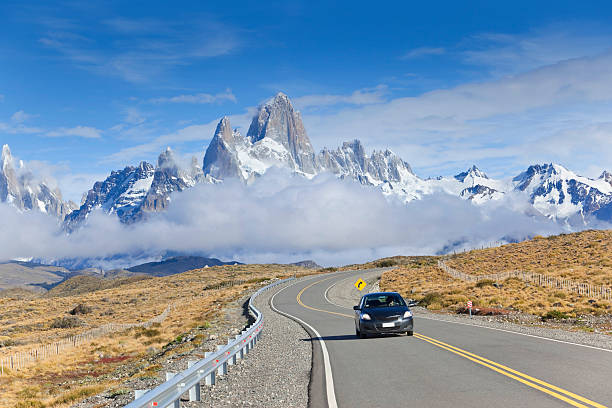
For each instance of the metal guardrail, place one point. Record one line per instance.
(170, 392)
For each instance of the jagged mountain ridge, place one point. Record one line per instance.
(277, 138)
(20, 188)
(135, 191)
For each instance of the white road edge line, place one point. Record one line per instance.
(329, 379)
(482, 327)
(327, 290)
(519, 333)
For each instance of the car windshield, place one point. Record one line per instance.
(383, 301)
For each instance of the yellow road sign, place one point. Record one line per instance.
(360, 284)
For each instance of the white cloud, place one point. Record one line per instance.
(512, 53)
(86, 132)
(277, 219)
(20, 116)
(148, 48)
(423, 51)
(200, 98)
(365, 96)
(193, 133)
(475, 122)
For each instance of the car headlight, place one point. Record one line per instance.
(365, 316)
(407, 314)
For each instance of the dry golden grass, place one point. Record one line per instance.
(424, 281)
(79, 372)
(584, 256)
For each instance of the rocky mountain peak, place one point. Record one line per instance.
(224, 130)
(6, 159)
(220, 160)
(606, 176)
(25, 191)
(472, 172)
(278, 121)
(166, 159)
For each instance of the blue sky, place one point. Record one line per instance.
(88, 88)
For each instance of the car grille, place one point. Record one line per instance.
(388, 318)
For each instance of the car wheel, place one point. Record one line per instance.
(409, 333)
(362, 335)
(357, 332)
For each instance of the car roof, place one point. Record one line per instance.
(381, 293)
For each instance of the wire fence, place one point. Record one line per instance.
(548, 281)
(22, 359)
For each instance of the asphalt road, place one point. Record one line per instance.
(442, 365)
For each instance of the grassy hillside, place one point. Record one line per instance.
(585, 256)
(199, 305)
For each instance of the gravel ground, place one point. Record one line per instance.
(280, 357)
(275, 374)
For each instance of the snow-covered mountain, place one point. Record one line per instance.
(20, 188)
(277, 138)
(559, 193)
(134, 191)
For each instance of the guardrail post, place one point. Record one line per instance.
(240, 353)
(194, 392)
(139, 393)
(222, 370)
(232, 360)
(210, 378)
(177, 403)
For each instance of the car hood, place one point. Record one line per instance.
(383, 312)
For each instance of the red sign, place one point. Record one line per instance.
(469, 304)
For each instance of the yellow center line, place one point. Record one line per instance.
(535, 380)
(499, 368)
(299, 300)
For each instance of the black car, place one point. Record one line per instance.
(381, 313)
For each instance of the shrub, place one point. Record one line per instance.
(554, 314)
(485, 282)
(6, 341)
(330, 269)
(80, 309)
(430, 298)
(385, 263)
(67, 322)
(146, 333)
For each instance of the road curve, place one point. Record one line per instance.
(443, 365)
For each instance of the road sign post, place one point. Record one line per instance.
(469, 305)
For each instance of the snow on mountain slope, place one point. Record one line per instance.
(276, 138)
(20, 188)
(559, 193)
(134, 191)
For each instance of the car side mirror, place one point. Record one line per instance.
(356, 307)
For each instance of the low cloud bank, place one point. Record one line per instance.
(279, 218)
